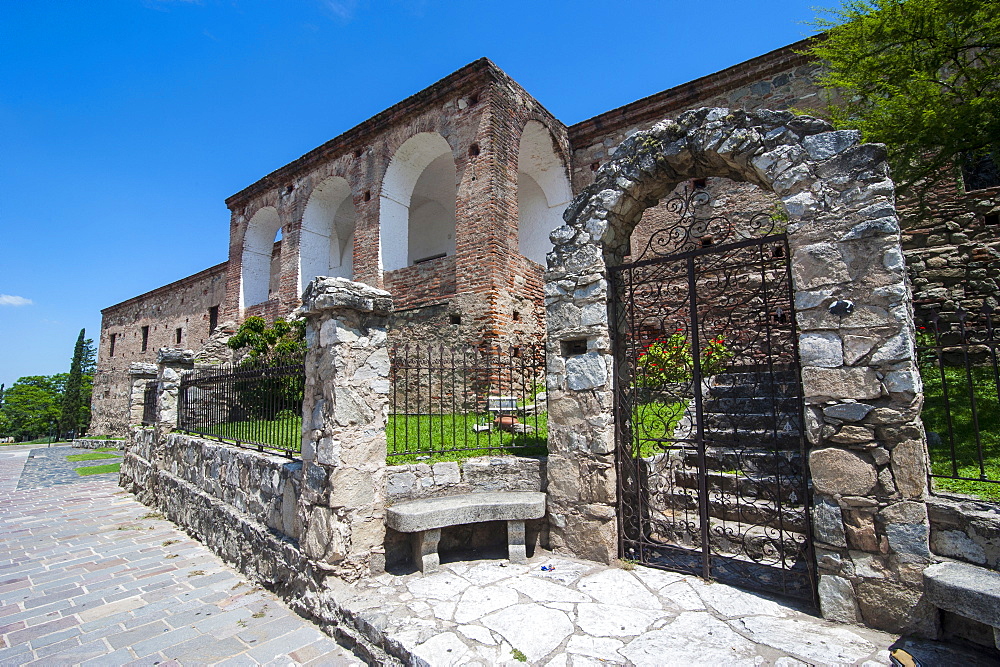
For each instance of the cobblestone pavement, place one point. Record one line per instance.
(88, 575)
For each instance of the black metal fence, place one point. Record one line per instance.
(149, 403)
(957, 356)
(256, 405)
(487, 400)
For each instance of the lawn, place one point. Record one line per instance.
(285, 433)
(103, 453)
(966, 452)
(654, 422)
(424, 438)
(98, 470)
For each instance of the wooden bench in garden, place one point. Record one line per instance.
(426, 517)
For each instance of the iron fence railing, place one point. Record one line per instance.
(957, 356)
(149, 396)
(256, 404)
(451, 399)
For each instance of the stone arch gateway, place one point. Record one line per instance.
(853, 331)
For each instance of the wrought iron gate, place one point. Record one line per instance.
(712, 467)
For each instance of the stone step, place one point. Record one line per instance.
(732, 510)
(788, 489)
(784, 423)
(751, 543)
(748, 460)
(757, 405)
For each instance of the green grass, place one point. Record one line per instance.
(283, 433)
(91, 456)
(433, 433)
(37, 441)
(654, 421)
(98, 470)
(935, 417)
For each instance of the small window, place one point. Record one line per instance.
(979, 171)
(455, 319)
(145, 338)
(572, 348)
(991, 219)
(111, 349)
(213, 319)
(177, 335)
(699, 183)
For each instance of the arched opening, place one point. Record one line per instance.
(258, 260)
(543, 190)
(326, 244)
(417, 203)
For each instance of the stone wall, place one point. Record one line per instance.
(82, 443)
(953, 250)
(239, 503)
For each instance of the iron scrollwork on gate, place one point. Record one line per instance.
(711, 454)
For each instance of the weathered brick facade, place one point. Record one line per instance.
(482, 282)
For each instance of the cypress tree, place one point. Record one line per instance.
(70, 414)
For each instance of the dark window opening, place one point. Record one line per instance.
(145, 338)
(368, 195)
(358, 152)
(473, 100)
(595, 166)
(699, 183)
(213, 319)
(177, 335)
(111, 350)
(991, 219)
(473, 150)
(455, 319)
(516, 316)
(707, 241)
(980, 171)
(574, 347)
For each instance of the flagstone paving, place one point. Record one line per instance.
(90, 576)
(576, 613)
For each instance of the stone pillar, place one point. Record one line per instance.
(139, 375)
(171, 364)
(342, 505)
(582, 491)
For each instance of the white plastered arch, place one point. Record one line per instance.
(543, 191)
(417, 202)
(258, 243)
(326, 242)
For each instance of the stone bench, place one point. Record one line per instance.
(426, 517)
(966, 590)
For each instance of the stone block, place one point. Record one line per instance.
(828, 523)
(836, 599)
(894, 607)
(840, 383)
(821, 349)
(848, 412)
(838, 471)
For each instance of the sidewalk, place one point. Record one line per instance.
(88, 575)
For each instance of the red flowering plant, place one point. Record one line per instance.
(668, 360)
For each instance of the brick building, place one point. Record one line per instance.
(447, 198)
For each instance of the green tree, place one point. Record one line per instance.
(261, 342)
(69, 416)
(31, 406)
(922, 77)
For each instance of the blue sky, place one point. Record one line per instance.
(124, 124)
